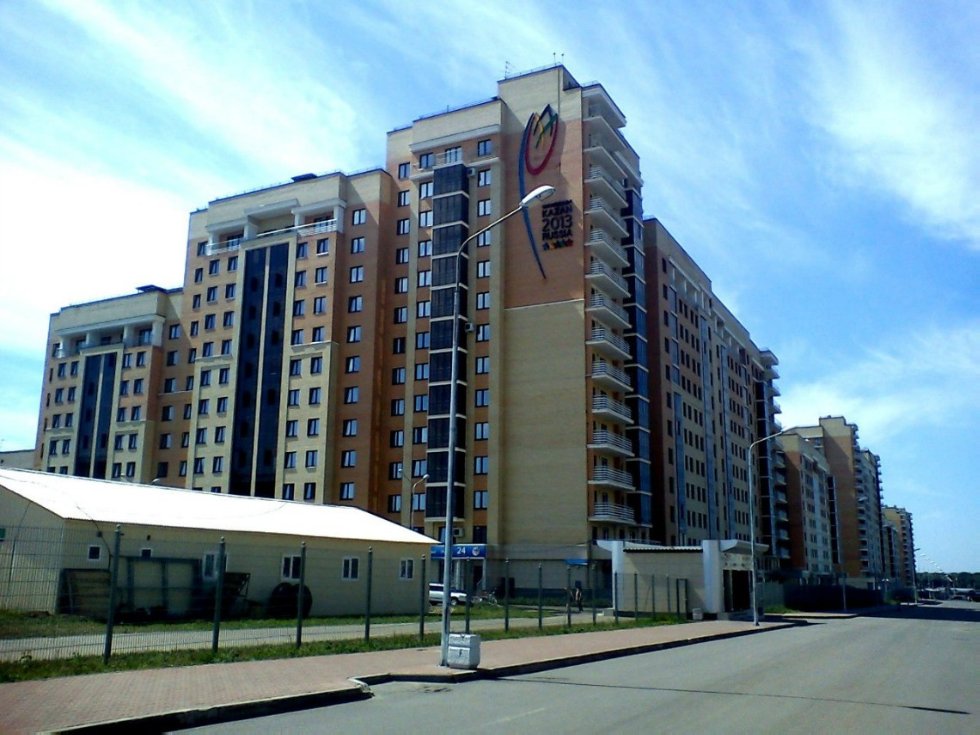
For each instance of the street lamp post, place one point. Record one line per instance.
(541, 192)
(752, 446)
(411, 499)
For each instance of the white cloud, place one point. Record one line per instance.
(899, 120)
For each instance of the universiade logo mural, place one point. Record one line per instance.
(537, 146)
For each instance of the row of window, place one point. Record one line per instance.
(214, 268)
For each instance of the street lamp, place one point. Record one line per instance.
(752, 446)
(541, 192)
(411, 498)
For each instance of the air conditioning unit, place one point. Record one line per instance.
(468, 327)
(457, 533)
(470, 171)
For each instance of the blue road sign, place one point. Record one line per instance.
(461, 551)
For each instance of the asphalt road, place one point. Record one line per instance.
(918, 672)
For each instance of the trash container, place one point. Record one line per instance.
(464, 651)
(697, 614)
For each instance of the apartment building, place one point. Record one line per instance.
(902, 568)
(857, 486)
(603, 391)
(810, 502)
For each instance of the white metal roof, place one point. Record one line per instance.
(82, 498)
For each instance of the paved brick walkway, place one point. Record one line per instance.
(160, 699)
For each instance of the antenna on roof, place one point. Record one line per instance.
(506, 69)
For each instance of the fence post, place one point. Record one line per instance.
(219, 588)
(667, 580)
(367, 595)
(594, 573)
(540, 597)
(677, 597)
(467, 590)
(653, 596)
(423, 601)
(506, 595)
(299, 594)
(568, 595)
(687, 597)
(636, 597)
(111, 612)
(615, 599)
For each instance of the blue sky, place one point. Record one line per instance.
(820, 161)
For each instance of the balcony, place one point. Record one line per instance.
(612, 513)
(610, 377)
(318, 228)
(601, 148)
(608, 311)
(604, 278)
(605, 215)
(609, 344)
(604, 185)
(781, 498)
(602, 245)
(611, 409)
(603, 476)
(610, 443)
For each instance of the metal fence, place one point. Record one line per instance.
(68, 592)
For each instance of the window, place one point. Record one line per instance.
(482, 365)
(185, 439)
(426, 160)
(301, 250)
(418, 501)
(403, 226)
(316, 365)
(480, 498)
(219, 434)
(398, 407)
(398, 376)
(401, 256)
(349, 568)
(483, 208)
(205, 381)
(314, 396)
(403, 198)
(288, 490)
(349, 427)
(398, 346)
(421, 371)
(203, 406)
(313, 427)
(425, 218)
(198, 275)
(394, 470)
(182, 468)
(123, 391)
(213, 267)
(482, 332)
(289, 460)
(454, 154)
(357, 245)
(309, 491)
(358, 217)
(207, 349)
(425, 248)
(348, 458)
(300, 279)
(292, 428)
(394, 503)
(311, 458)
(423, 309)
(424, 278)
(295, 367)
(481, 397)
(223, 376)
(233, 263)
(229, 290)
(292, 398)
(196, 301)
(404, 170)
(481, 465)
(94, 552)
(396, 438)
(406, 567)
(347, 491)
(116, 470)
(481, 430)
(320, 275)
(483, 300)
(484, 147)
(352, 364)
(167, 413)
(419, 467)
(352, 394)
(222, 404)
(421, 340)
(483, 177)
(136, 413)
(299, 308)
(173, 331)
(226, 347)
(353, 334)
(484, 239)
(422, 403)
(228, 319)
(296, 337)
(483, 269)
(420, 435)
(316, 334)
(201, 436)
(217, 465)
(323, 246)
(357, 274)
(173, 357)
(425, 190)
(355, 304)
(212, 294)
(320, 305)
(400, 315)
(401, 285)
(291, 567)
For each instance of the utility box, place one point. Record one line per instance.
(464, 651)
(697, 614)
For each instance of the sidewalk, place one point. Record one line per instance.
(162, 699)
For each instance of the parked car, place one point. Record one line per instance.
(456, 597)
